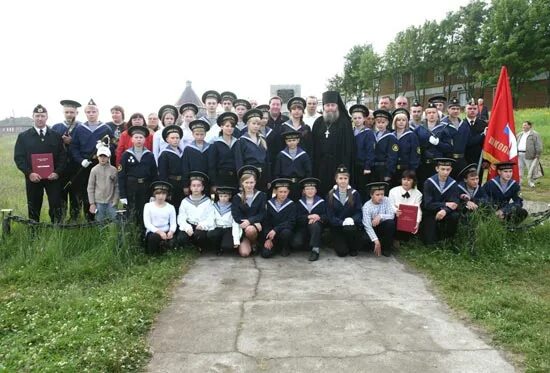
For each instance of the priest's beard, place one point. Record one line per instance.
(331, 117)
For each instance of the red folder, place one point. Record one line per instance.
(407, 221)
(42, 164)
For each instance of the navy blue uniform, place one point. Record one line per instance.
(170, 169)
(408, 157)
(282, 220)
(428, 151)
(221, 163)
(237, 133)
(306, 140)
(273, 122)
(83, 146)
(459, 136)
(346, 239)
(134, 178)
(385, 155)
(255, 213)
(506, 198)
(69, 194)
(434, 199)
(295, 169)
(305, 233)
(475, 139)
(365, 142)
(477, 196)
(251, 153)
(194, 159)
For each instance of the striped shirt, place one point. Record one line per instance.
(370, 211)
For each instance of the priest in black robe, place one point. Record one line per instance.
(333, 141)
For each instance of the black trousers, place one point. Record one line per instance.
(154, 244)
(227, 178)
(346, 238)
(307, 235)
(385, 232)
(398, 175)
(361, 182)
(138, 195)
(81, 186)
(220, 239)
(198, 238)
(423, 172)
(176, 194)
(435, 230)
(35, 197)
(459, 165)
(70, 199)
(280, 242)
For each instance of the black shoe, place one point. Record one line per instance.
(220, 252)
(313, 256)
(285, 251)
(353, 252)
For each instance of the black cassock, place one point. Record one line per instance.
(333, 145)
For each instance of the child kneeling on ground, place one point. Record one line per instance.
(280, 219)
(196, 214)
(227, 234)
(159, 219)
(378, 219)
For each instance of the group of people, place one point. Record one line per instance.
(276, 181)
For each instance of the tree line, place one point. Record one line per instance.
(468, 46)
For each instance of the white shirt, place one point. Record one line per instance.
(200, 214)
(212, 134)
(523, 141)
(44, 129)
(163, 218)
(310, 119)
(415, 199)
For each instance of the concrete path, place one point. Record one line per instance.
(362, 314)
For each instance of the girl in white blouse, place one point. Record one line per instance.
(159, 219)
(406, 194)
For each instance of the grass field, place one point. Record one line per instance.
(75, 301)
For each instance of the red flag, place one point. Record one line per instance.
(500, 141)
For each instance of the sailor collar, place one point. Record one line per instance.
(448, 183)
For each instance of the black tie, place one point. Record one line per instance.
(471, 123)
(42, 134)
(406, 195)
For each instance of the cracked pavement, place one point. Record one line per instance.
(231, 314)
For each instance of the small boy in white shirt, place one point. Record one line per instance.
(227, 233)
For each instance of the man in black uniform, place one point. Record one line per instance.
(333, 141)
(42, 141)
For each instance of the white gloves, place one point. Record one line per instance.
(124, 201)
(85, 163)
(434, 140)
(485, 131)
(348, 221)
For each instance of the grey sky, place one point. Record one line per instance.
(139, 54)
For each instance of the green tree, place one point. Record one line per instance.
(510, 40)
(353, 84)
(370, 72)
(336, 83)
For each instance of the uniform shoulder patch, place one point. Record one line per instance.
(119, 168)
(395, 147)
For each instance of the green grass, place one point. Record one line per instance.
(75, 300)
(502, 285)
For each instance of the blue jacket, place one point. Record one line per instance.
(429, 151)
(255, 213)
(500, 197)
(408, 157)
(83, 144)
(366, 143)
(434, 197)
(338, 211)
(319, 207)
(285, 218)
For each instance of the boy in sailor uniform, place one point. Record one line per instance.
(136, 171)
(386, 149)
(344, 215)
(170, 162)
(279, 220)
(503, 194)
(221, 155)
(195, 155)
(241, 107)
(226, 234)
(159, 219)
(471, 193)
(440, 204)
(196, 213)
(292, 163)
(365, 143)
(311, 215)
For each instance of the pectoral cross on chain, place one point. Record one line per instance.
(326, 134)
